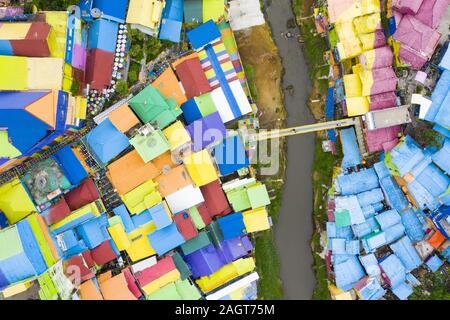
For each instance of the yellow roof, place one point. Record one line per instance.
(16, 289)
(201, 168)
(119, 237)
(14, 31)
(352, 84)
(177, 135)
(143, 197)
(226, 274)
(357, 106)
(15, 202)
(57, 36)
(145, 13)
(45, 73)
(7, 150)
(17, 80)
(140, 249)
(89, 208)
(256, 220)
(157, 284)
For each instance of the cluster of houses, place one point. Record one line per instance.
(188, 200)
(388, 220)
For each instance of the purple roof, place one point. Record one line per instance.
(206, 131)
(235, 248)
(205, 261)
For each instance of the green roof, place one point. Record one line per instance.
(151, 146)
(258, 196)
(342, 218)
(215, 233)
(151, 106)
(181, 265)
(205, 104)
(239, 199)
(10, 243)
(200, 241)
(179, 290)
(196, 218)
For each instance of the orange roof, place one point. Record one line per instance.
(174, 180)
(436, 239)
(183, 59)
(169, 86)
(123, 118)
(164, 162)
(88, 291)
(104, 276)
(116, 288)
(130, 171)
(45, 108)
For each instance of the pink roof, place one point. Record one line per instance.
(417, 36)
(411, 57)
(382, 100)
(407, 6)
(156, 271)
(384, 80)
(375, 139)
(432, 11)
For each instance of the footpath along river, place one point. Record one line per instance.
(295, 226)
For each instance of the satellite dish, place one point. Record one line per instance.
(166, 169)
(75, 9)
(151, 143)
(96, 13)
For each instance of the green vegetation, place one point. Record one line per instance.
(426, 136)
(133, 73)
(52, 5)
(268, 267)
(142, 44)
(122, 88)
(250, 74)
(434, 286)
(75, 88)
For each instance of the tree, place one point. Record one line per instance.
(122, 88)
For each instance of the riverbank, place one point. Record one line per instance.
(264, 70)
(314, 49)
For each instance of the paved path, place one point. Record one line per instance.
(294, 228)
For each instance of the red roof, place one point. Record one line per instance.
(185, 225)
(131, 282)
(215, 199)
(35, 43)
(77, 262)
(203, 211)
(103, 254)
(156, 271)
(57, 212)
(88, 258)
(193, 78)
(82, 195)
(99, 68)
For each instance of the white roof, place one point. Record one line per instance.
(233, 287)
(245, 14)
(144, 264)
(223, 107)
(184, 199)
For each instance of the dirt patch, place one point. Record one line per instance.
(257, 49)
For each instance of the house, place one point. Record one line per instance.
(103, 35)
(230, 155)
(256, 220)
(123, 118)
(130, 171)
(248, 195)
(152, 107)
(215, 199)
(192, 78)
(145, 15)
(112, 11)
(184, 199)
(206, 131)
(166, 239)
(142, 197)
(405, 251)
(153, 278)
(177, 135)
(99, 68)
(178, 290)
(150, 146)
(198, 107)
(232, 225)
(213, 9)
(172, 21)
(201, 168)
(15, 202)
(106, 142)
(25, 39)
(71, 166)
(168, 84)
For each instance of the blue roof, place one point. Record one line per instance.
(394, 269)
(438, 95)
(405, 251)
(388, 218)
(372, 290)
(230, 155)
(106, 142)
(348, 273)
(370, 197)
(93, 232)
(445, 61)
(191, 111)
(142, 218)
(394, 195)
(203, 34)
(113, 10)
(402, 291)
(434, 263)
(170, 30)
(71, 166)
(441, 157)
(6, 48)
(434, 180)
(160, 216)
(103, 35)
(358, 182)
(173, 10)
(423, 196)
(31, 247)
(413, 226)
(406, 155)
(232, 225)
(122, 212)
(370, 264)
(165, 239)
(352, 156)
(205, 261)
(381, 170)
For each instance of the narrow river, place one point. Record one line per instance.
(294, 229)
